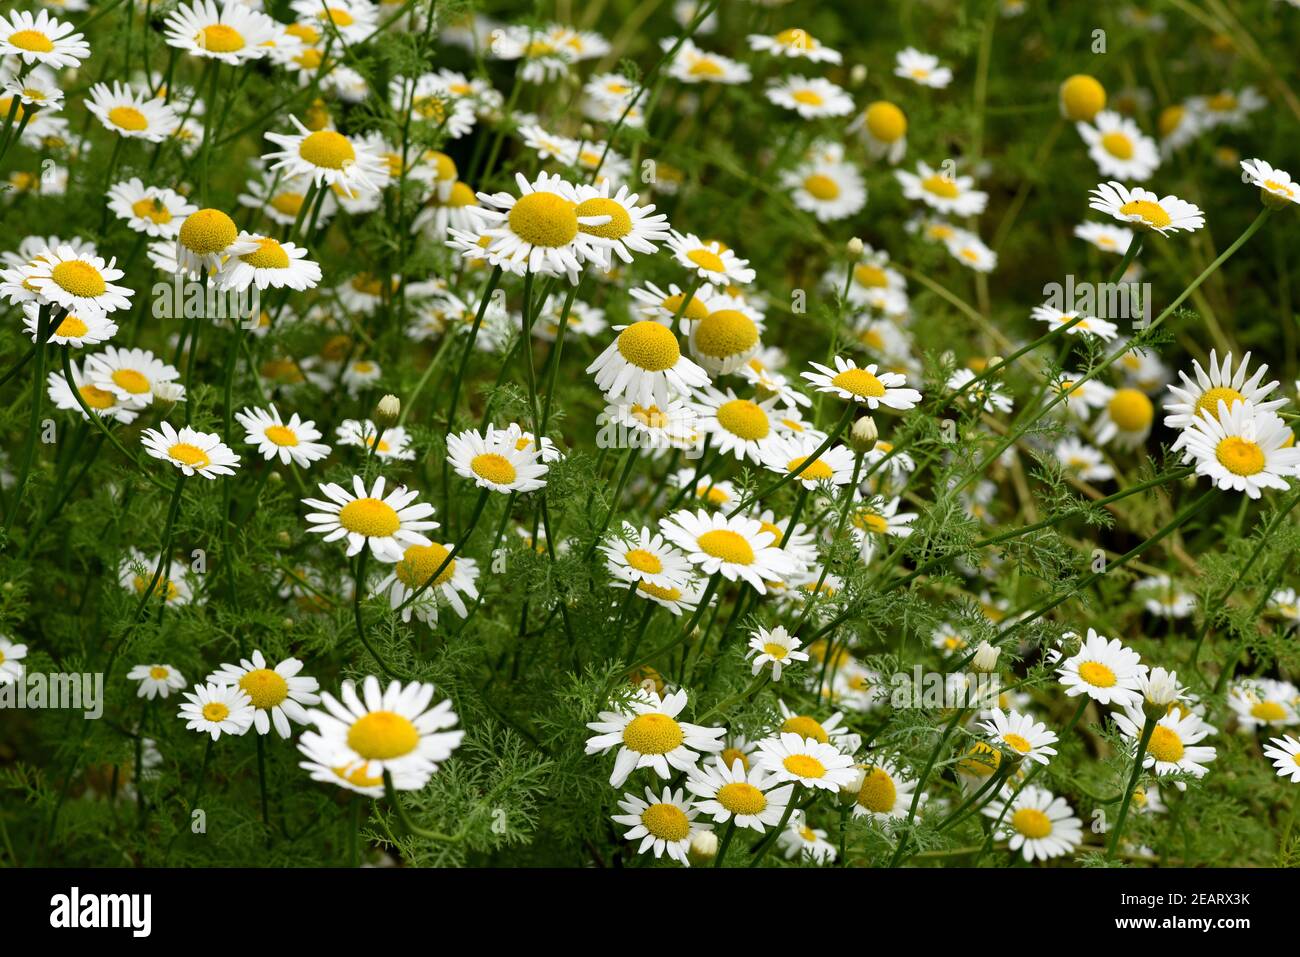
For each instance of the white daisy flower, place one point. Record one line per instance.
(811, 97)
(663, 823)
(884, 793)
(1286, 602)
(1276, 184)
(78, 282)
(923, 68)
(1174, 747)
(641, 555)
(864, 385)
(1243, 449)
(134, 115)
(191, 451)
(884, 127)
(1264, 703)
(292, 441)
(801, 840)
(971, 251)
(391, 443)
(648, 735)
(676, 598)
(206, 239)
(830, 191)
(1227, 108)
(232, 32)
(1022, 734)
(942, 191)
(87, 328)
(644, 365)
(1162, 597)
(735, 792)
(525, 441)
(1284, 752)
(456, 577)
(1104, 670)
(1107, 238)
(156, 680)
(41, 39)
(136, 572)
(278, 694)
(786, 455)
(541, 230)
(353, 20)
(11, 656)
(693, 65)
(133, 376)
(1083, 461)
(495, 461)
(217, 709)
(740, 427)
(1119, 148)
(388, 524)
(389, 729)
(269, 265)
(1125, 419)
(986, 394)
(1039, 825)
(329, 158)
(777, 648)
(711, 261)
(1201, 397)
(1145, 209)
(814, 764)
(794, 43)
(872, 520)
(322, 764)
(630, 228)
(738, 548)
(101, 401)
(728, 337)
(152, 210)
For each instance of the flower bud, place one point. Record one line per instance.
(986, 658)
(855, 247)
(387, 411)
(704, 847)
(863, 435)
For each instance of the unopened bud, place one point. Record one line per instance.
(387, 411)
(586, 132)
(1160, 689)
(858, 74)
(855, 247)
(863, 435)
(704, 847)
(282, 538)
(851, 788)
(986, 658)
(167, 393)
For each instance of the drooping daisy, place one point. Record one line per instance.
(101, 401)
(971, 251)
(389, 444)
(777, 648)
(323, 764)
(1195, 399)
(1284, 752)
(1174, 747)
(233, 33)
(811, 97)
(1125, 419)
(11, 656)
(1145, 209)
(802, 840)
(1039, 825)
(630, 228)
(328, 158)
(648, 735)
(814, 764)
(217, 709)
(79, 282)
(1104, 670)
(736, 792)
(389, 729)
(884, 793)
(984, 394)
(456, 577)
(270, 264)
(694, 65)
(41, 39)
(641, 555)
(1022, 734)
(1119, 148)
(1264, 703)
(1087, 326)
(923, 68)
(174, 583)
(787, 455)
(1275, 184)
(664, 823)
(156, 680)
(1107, 238)
(1286, 602)
(1083, 461)
(86, 328)
(191, 451)
(740, 427)
(651, 427)
(864, 385)
(541, 230)
(388, 524)
(644, 365)
(884, 127)
(738, 548)
(152, 210)
(943, 191)
(493, 461)
(134, 115)
(711, 261)
(292, 441)
(677, 598)
(277, 694)
(1242, 449)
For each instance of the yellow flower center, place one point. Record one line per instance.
(207, 231)
(619, 225)
(1209, 400)
(1083, 97)
(152, 209)
(656, 591)
(707, 260)
(79, 278)
(1240, 456)
(287, 203)
(649, 346)
(653, 733)
(128, 118)
(644, 561)
(1131, 410)
(158, 673)
(666, 821)
(731, 755)
(97, 398)
(795, 38)
(1222, 102)
(1017, 742)
(191, 455)
(1117, 145)
(727, 545)
(981, 760)
(419, 562)
(544, 219)
(1032, 823)
(1268, 711)
(1153, 214)
(219, 38)
(651, 418)
(871, 277)
(807, 97)
(805, 727)
(337, 16)
(495, 468)
(269, 254)
(71, 328)
(745, 419)
(382, 736)
(742, 798)
(878, 792)
(357, 776)
(886, 122)
(370, 517)
(1097, 674)
(726, 332)
(860, 383)
(804, 766)
(821, 187)
(281, 435)
(215, 712)
(818, 471)
(266, 688)
(31, 40)
(705, 67)
(940, 185)
(1165, 745)
(327, 149)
